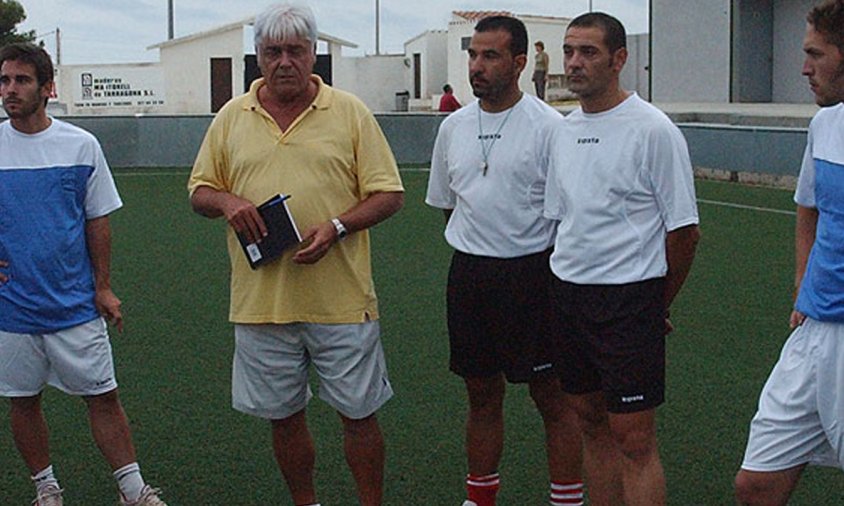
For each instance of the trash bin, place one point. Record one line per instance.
(402, 100)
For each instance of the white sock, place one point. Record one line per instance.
(130, 481)
(43, 478)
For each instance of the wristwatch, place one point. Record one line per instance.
(340, 228)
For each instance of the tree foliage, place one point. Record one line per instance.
(11, 15)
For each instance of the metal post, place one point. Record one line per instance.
(169, 19)
(377, 27)
(58, 46)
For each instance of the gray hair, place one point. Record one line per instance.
(285, 21)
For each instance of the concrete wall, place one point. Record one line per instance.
(357, 76)
(753, 24)
(690, 51)
(432, 47)
(129, 142)
(789, 29)
(636, 74)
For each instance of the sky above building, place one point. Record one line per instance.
(119, 31)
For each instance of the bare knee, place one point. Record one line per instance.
(25, 405)
(104, 402)
(486, 396)
(361, 426)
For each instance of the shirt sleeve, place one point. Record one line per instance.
(101, 197)
(804, 195)
(667, 158)
(377, 169)
(439, 193)
(552, 205)
(210, 160)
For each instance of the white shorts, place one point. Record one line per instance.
(77, 361)
(801, 409)
(270, 368)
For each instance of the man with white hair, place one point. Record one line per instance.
(292, 134)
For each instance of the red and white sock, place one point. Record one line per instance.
(569, 493)
(482, 489)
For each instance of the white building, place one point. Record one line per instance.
(204, 70)
(728, 50)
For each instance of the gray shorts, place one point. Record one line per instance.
(77, 361)
(271, 362)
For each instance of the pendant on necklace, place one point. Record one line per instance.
(484, 167)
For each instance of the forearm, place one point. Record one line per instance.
(371, 211)
(208, 202)
(804, 238)
(98, 235)
(680, 249)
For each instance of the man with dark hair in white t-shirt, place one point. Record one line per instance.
(620, 182)
(488, 173)
(55, 285)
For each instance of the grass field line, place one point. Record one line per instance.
(749, 208)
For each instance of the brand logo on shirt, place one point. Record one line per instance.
(486, 137)
(588, 140)
(627, 399)
(538, 368)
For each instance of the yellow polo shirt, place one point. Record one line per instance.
(332, 156)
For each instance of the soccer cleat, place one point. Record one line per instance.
(149, 497)
(51, 495)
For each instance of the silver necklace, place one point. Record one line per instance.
(487, 149)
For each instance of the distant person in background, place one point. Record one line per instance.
(488, 173)
(315, 307)
(540, 69)
(448, 102)
(800, 417)
(56, 195)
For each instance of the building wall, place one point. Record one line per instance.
(187, 70)
(132, 88)
(373, 79)
(753, 23)
(690, 51)
(789, 29)
(635, 76)
(432, 46)
(728, 50)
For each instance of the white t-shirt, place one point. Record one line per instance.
(619, 181)
(499, 214)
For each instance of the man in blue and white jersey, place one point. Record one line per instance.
(56, 193)
(800, 419)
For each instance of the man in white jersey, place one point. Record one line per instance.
(800, 419)
(620, 182)
(488, 174)
(55, 287)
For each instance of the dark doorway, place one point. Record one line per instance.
(322, 68)
(221, 82)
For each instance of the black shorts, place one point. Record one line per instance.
(498, 316)
(611, 338)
